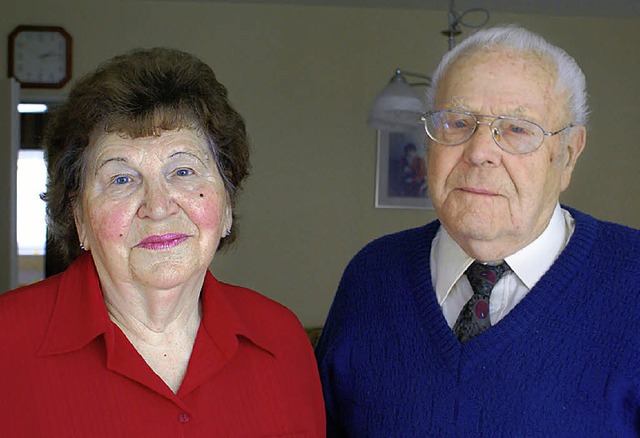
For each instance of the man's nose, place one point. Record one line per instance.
(481, 148)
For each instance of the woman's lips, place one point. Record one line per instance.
(162, 241)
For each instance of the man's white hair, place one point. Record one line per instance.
(570, 78)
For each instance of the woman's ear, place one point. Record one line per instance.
(80, 227)
(227, 220)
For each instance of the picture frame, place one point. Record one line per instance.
(401, 180)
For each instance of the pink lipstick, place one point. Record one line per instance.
(162, 241)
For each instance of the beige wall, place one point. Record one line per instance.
(304, 78)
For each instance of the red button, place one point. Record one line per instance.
(183, 417)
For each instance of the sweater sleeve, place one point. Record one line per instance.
(331, 354)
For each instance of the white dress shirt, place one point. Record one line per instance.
(449, 262)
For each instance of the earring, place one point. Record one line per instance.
(226, 233)
(81, 246)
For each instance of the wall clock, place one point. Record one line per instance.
(40, 56)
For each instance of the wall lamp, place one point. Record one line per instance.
(398, 106)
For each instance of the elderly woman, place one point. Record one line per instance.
(136, 337)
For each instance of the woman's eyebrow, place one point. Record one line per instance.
(190, 154)
(106, 161)
(109, 160)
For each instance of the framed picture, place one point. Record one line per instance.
(401, 176)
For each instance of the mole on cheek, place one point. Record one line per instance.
(202, 195)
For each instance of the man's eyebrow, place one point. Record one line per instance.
(518, 111)
(457, 103)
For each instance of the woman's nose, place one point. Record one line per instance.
(158, 201)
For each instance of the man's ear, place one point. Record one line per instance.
(573, 150)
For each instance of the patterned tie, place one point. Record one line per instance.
(474, 316)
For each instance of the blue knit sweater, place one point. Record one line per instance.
(565, 362)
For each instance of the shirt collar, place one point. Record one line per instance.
(544, 250)
(449, 261)
(226, 319)
(80, 315)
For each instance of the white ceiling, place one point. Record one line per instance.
(580, 8)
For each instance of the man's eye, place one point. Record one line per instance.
(184, 172)
(120, 180)
(457, 124)
(519, 129)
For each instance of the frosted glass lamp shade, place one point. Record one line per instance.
(397, 107)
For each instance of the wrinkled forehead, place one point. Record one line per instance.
(148, 124)
(506, 81)
(496, 54)
(144, 126)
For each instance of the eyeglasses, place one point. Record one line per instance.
(511, 134)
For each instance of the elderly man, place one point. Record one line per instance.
(511, 315)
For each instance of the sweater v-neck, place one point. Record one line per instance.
(462, 359)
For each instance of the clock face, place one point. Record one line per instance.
(40, 56)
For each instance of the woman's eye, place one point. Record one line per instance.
(120, 180)
(184, 172)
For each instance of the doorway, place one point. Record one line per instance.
(37, 258)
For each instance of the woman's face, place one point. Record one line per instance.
(153, 209)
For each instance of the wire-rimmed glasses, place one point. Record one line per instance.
(511, 134)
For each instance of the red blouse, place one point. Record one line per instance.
(67, 370)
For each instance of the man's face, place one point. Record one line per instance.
(491, 202)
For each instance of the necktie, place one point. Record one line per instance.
(474, 316)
